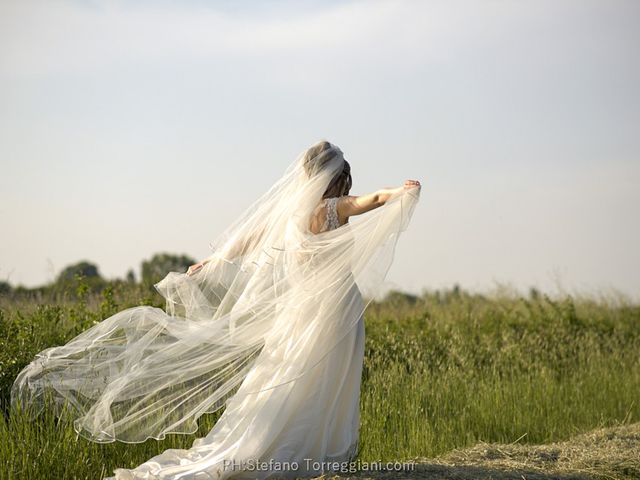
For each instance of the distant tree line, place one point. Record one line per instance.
(86, 275)
(152, 271)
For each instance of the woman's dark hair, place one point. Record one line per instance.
(315, 160)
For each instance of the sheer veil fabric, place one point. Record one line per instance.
(271, 328)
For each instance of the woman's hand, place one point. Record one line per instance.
(411, 183)
(195, 267)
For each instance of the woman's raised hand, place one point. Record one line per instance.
(411, 184)
(195, 267)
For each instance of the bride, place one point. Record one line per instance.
(270, 326)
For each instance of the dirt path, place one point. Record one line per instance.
(608, 453)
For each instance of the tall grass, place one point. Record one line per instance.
(442, 374)
(441, 371)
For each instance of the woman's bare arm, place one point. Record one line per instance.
(356, 205)
(347, 206)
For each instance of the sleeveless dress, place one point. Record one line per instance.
(298, 429)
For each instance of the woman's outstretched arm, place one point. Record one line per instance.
(356, 205)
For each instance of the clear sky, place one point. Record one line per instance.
(130, 128)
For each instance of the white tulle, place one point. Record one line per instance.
(270, 328)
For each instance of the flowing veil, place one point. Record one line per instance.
(271, 292)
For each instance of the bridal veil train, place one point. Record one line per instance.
(270, 328)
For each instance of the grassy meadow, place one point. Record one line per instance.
(443, 371)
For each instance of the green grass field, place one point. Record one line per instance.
(443, 372)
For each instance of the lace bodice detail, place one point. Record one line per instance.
(327, 209)
(331, 221)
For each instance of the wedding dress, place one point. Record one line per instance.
(272, 329)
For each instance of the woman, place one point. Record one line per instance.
(270, 326)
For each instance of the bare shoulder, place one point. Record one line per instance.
(343, 206)
(349, 205)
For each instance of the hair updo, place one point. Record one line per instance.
(316, 157)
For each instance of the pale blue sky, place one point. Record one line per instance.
(130, 128)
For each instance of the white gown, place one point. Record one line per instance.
(297, 429)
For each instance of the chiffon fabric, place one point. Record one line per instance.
(271, 328)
